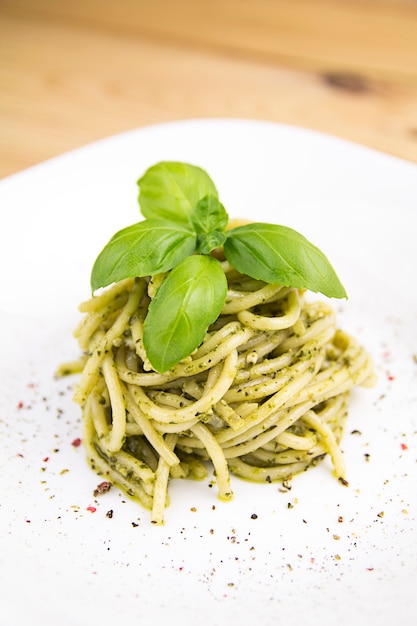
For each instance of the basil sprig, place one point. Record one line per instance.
(184, 222)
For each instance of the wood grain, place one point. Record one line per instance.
(73, 72)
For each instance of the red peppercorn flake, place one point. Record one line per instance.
(103, 487)
(76, 443)
(404, 446)
(20, 405)
(92, 509)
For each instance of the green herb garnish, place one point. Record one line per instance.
(184, 222)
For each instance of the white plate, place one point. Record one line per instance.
(320, 552)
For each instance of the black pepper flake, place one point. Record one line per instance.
(109, 513)
(254, 516)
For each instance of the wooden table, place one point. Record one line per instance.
(73, 71)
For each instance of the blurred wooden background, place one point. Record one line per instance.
(73, 71)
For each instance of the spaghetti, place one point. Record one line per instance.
(263, 397)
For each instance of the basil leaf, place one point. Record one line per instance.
(208, 242)
(187, 302)
(209, 218)
(146, 248)
(169, 190)
(281, 255)
(209, 215)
